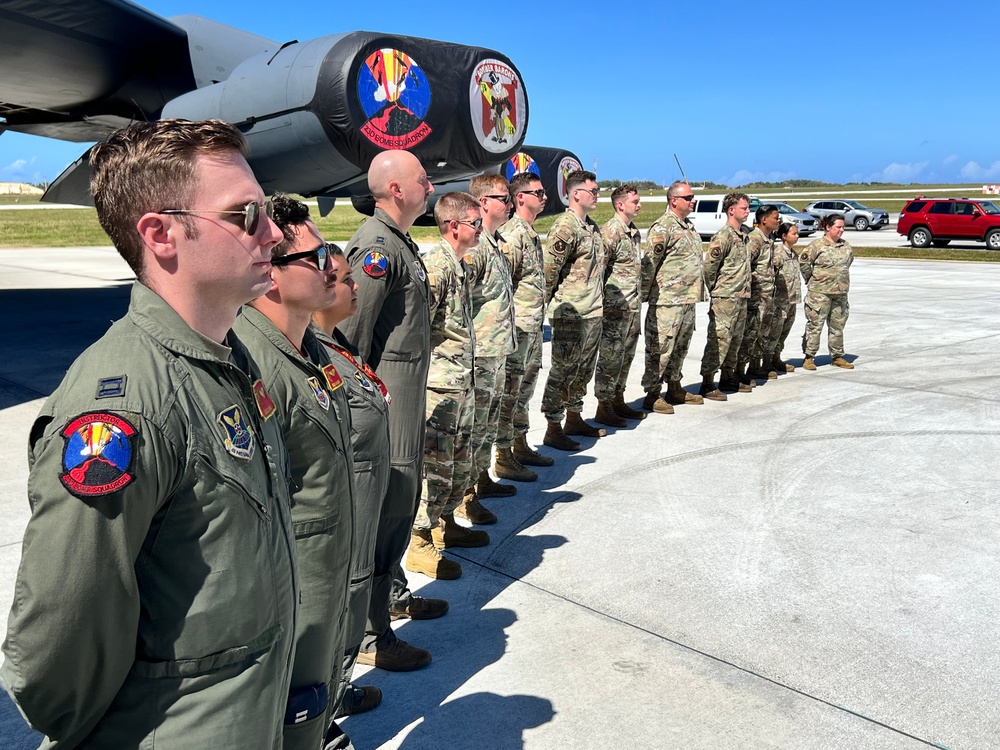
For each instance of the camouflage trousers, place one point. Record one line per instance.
(787, 316)
(619, 339)
(668, 338)
(832, 310)
(521, 374)
(447, 454)
(575, 342)
(490, 377)
(726, 319)
(757, 331)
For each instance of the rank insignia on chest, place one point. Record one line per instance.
(238, 438)
(376, 264)
(333, 379)
(421, 273)
(97, 457)
(365, 382)
(265, 405)
(322, 397)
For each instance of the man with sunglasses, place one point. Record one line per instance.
(620, 327)
(523, 250)
(156, 595)
(493, 312)
(312, 410)
(574, 289)
(673, 280)
(392, 333)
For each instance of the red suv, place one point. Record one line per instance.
(938, 221)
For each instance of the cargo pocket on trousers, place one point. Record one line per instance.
(236, 656)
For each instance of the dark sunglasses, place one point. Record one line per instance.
(537, 193)
(505, 199)
(322, 254)
(593, 191)
(250, 213)
(684, 197)
(475, 223)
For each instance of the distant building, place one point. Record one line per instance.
(19, 188)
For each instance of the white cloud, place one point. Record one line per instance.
(744, 176)
(972, 171)
(897, 172)
(950, 159)
(17, 170)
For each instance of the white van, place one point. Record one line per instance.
(707, 215)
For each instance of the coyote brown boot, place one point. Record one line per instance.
(841, 362)
(777, 363)
(710, 391)
(556, 438)
(508, 467)
(474, 511)
(423, 557)
(486, 487)
(527, 455)
(575, 425)
(677, 395)
(809, 364)
(449, 533)
(654, 402)
(606, 415)
(744, 378)
(624, 410)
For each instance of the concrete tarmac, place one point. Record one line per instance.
(810, 566)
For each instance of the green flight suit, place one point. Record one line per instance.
(156, 594)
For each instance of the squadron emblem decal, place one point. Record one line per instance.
(97, 457)
(322, 397)
(238, 438)
(394, 93)
(499, 113)
(518, 163)
(567, 165)
(376, 264)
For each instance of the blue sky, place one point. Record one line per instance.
(901, 92)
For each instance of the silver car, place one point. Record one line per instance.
(806, 223)
(855, 214)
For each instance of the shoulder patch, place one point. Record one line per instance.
(98, 455)
(716, 252)
(265, 405)
(237, 436)
(111, 387)
(333, 378)
(322, 397)
(376, 264)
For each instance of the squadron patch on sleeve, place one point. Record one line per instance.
(376, 264)
(265, 405)
(333, 378)
(658, 248)
(237, 436)
(716, 253)
(111, 387)
(98, 455)
(322, 397)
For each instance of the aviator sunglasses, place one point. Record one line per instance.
(250, 212)
(322, 254)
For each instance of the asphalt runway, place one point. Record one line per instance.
(811, 566)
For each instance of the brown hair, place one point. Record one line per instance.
(519, 182)
(732, 199)
(621, 193)
(482, 184)
(452, 207)
(577, 178)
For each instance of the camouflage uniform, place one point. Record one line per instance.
(523, 250)
(826, 269)
(673, 280)
(760, 309)
(493, 315)
(787, 294)
(450, 395)
(620, 328)
(727, 280)
(574, 286)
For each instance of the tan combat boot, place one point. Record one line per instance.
(710, 391)
(606, 415)
(655, 403)
(841, 362)
(555, 437)
(527, 455)
(450, 533)
(508, 467)
(575, 425)
(423, 557)
(744, 378)
(486, 487)
(474, 511)
(624, 410)
(677, 395)
(809, 364)
(777, 363)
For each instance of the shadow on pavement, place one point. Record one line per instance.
(459, 723)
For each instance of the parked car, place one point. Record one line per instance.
(806, 223)
(855, 214)
(938, 221)
(707, 215)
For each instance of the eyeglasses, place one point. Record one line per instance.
(505, 199)
(537, 193)
(593, 191)
(688, 198)
(322, 254)
(250, 213)
(475, 223)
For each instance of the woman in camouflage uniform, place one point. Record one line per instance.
(826, 269)
(788, 290)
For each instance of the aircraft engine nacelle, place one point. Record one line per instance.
(316, 113)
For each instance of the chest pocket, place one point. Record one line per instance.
(320, 471)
